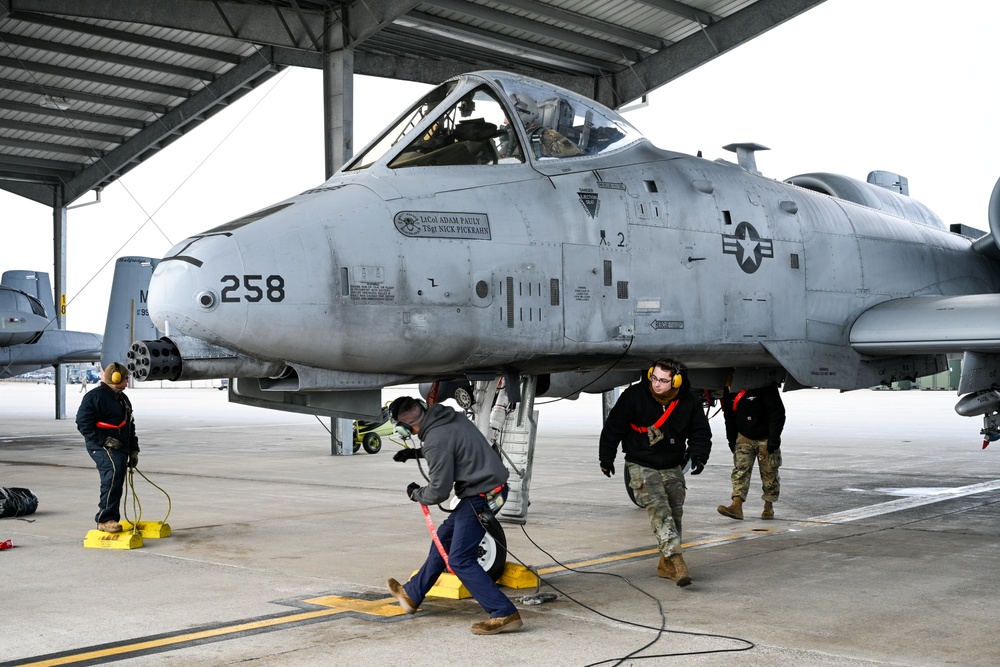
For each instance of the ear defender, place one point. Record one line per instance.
(115, 373)
(675, 383)
(116, 377)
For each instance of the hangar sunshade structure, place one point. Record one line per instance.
(88, 90)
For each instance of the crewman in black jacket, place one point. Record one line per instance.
(105, 420)
(754, 420)
(660, 426)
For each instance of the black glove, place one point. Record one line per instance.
(410, 489)
(406, 454)
(608, 469)
(773, 446)
(732, 447)
(133, 459)
(697, 465)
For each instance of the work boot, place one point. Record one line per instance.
(680, 568)
(734, 511)
(398, 592)
(768, 512)
(110, 526)
(495, 626)
(665, 568)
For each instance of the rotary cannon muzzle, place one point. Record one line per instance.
(154, 360)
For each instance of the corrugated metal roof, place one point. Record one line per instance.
(90, 89)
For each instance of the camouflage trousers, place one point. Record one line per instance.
(661, 493)
(747, 451)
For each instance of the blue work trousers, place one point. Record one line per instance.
(460, 535)
(112, 464)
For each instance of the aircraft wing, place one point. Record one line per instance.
(930, 325)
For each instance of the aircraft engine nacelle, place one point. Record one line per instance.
(185, 358)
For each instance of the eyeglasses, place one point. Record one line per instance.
(657, 380)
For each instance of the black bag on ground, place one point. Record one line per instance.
(15, 501)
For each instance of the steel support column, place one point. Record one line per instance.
(59, 287)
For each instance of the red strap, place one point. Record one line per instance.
(106, 425)
(737, 399)
(661, 421)
(434, 537)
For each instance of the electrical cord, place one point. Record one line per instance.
(606, 371)
(660, 631)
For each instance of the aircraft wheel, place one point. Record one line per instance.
(493, 549)
(372, 443)
(628, 487)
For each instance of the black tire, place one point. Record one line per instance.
(628, 486)
(372, 443)
(493, 549)
(357, 446)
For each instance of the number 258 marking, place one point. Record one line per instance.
(273, 288)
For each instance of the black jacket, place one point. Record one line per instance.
(759, 415)
(103, 404)
(686, 431)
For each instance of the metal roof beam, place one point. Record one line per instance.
(106, 56)
(53, 166)
(588, 23)
(521, 49)
(365, 18)
(82, 151)
(122, 36)
(683, 10)
(25, 87)
(537, 27)
(70, 115)
(256, 23)
(96, 77)
(696, 50)
(7, 124)
(212, 98)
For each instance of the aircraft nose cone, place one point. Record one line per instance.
(189, 283)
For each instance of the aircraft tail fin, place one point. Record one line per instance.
(128, 315)
(35, 284)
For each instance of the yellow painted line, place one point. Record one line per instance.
(336, 605)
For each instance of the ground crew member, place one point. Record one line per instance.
(754, 421)
(458, 456)
(105, 420)
(660, 425)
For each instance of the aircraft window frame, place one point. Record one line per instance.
(564, 125)
(403, 125)
(473, 131)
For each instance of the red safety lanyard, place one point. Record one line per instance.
(661, 421)
(107, 425)
(737, 399)
(434, 536)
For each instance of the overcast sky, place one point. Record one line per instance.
(850, 86)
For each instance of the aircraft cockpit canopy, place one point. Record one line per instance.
(491, 118)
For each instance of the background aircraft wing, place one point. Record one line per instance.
(930, 325)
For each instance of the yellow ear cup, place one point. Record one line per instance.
(649, 373)
(116, 377)
(677, 381)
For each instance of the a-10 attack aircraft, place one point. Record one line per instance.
(502, 226)
(29, 339)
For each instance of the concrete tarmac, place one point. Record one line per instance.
(884, 550)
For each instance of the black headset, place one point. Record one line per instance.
(399, 406)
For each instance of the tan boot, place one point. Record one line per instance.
(681, 575)
(666, 568)
(734, 511)
(768, 512)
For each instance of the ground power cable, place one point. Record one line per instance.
(660, 631)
